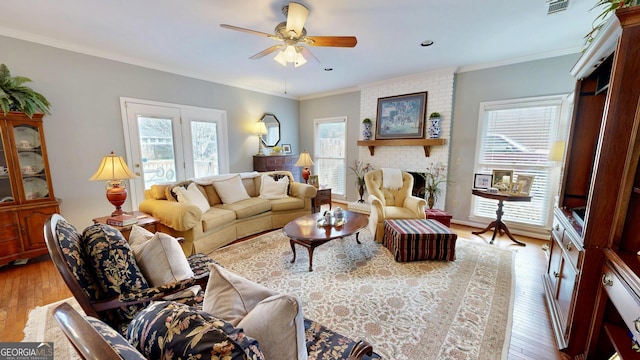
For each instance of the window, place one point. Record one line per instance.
(167, 142)
(517, 135)
(330, 163)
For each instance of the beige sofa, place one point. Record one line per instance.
(222, 223)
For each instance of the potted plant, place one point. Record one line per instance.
(434, 125)
(366, 129)
(16, 97)
(360, 169)
(435, 175)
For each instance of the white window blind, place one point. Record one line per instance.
(517, 135)
(330, 152)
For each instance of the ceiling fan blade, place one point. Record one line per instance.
(296, 16)
(254, 32)
(266, 52)
(307, 54)
(336, 41)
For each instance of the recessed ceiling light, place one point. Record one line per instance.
(426, 43)
(328, 69)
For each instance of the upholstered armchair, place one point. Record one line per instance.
(391, 203)
(116, 290)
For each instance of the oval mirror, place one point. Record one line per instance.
(272, 137)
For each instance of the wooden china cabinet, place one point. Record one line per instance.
(26, 193)
(592, 284)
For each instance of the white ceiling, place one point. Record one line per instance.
(185, 37)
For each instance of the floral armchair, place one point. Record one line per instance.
(391, 203)
(102, 273)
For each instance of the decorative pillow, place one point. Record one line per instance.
(166, 330)
(274, 186)
(162, 261)
(231, 190)
(115, 340)
(230, 296)
(71, 240)
(139, 235)
(277, 323)
(115, 268)
(170, 192)
(158, 192)
(192, 195)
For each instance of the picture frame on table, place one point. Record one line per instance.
(313, 180)
(482, 181)
(401, 117)
(522, 185)
(502, 180)
(286, 148)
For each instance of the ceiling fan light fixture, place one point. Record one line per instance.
(280, 58)
(290, 53)
(300, 60)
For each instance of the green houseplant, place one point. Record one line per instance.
(608, 6)
(434, 115)
(14, 96)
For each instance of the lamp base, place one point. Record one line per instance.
(305, 175)
(117, 195)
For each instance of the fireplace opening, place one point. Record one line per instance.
(418, 184)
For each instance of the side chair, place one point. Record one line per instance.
(391, 204)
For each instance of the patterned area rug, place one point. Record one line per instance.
(419, 310)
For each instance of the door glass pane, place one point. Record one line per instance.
(204, 137)
(156, 147)
(330, 155)
(6, 193)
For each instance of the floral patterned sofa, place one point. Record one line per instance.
(104, 275)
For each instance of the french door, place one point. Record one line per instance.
(168, 142)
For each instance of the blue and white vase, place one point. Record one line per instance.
(366, 131)
(434, 127)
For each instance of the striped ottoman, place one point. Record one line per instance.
(418, 239)
(440, 215)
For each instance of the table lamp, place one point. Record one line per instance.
(305, 161)
(261, 129)
(113, 170)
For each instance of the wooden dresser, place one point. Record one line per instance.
(592, 284)
(277, 162)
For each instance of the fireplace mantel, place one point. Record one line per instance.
(425, 143)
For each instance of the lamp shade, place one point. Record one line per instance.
(261, 128)
(113, 168)
(304, 160)
(556, 153)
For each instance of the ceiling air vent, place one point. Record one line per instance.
(557, 5)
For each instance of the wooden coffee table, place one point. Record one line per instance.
(305, 231)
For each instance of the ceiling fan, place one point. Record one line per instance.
(293, 35)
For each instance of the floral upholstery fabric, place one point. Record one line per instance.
(199, 263)
(117, 342)
(72, 242)
(169, 330)
(323, 343)
(115, 268)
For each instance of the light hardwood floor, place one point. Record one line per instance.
(23, 287)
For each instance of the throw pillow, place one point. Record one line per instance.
(231, 190)
(230, 296)
(139, 235)
(274, 186)
(167, 330)
(192, 195)
(115, 269)
(162, 261)
(277, 323)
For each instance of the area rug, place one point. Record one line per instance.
(418, 310)
(41, 326)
